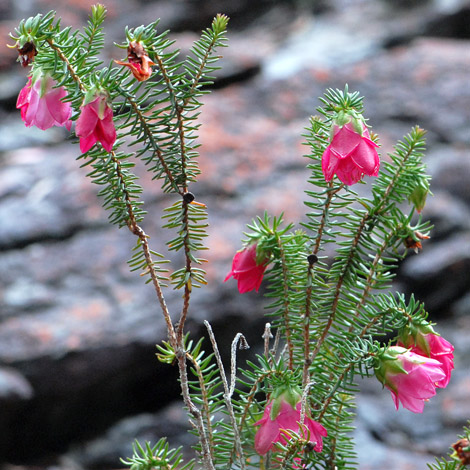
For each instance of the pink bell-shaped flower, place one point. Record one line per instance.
(95, 123)
(283, 414)
(42, 105)
(411, 378)
(247, 269)
(351, 154)
(422, 339)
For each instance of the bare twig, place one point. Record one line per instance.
(227, 393)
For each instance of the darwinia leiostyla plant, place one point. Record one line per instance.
(292, 406)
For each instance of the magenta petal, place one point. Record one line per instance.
(86, 122)
(87, 142)
(267, 434)
(32, 108)
(42, 118)
(329, 163)
(317, 432)
(346, 140)
(59, 110)
(106, 133)
(23, 97)
(365, 157)
(348, 172)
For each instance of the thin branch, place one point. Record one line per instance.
(227, 394)
(195, 412)
(156, 148)
(205, 402)
(286, 311)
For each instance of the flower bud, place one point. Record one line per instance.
(419, 195)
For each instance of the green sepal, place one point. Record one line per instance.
(387, 363)
(287, 392)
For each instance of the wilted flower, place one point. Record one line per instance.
(351, 154)
(462, 451)
(410, 377)
(281, 415)
(138, 61)
(413, 241)
(26, 53)
(95, 123)
(247, 269)
(41, 104)
(423, 340)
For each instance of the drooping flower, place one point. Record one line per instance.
(41, 104)
(139, 62)
(410, 377)
(422, 339)
(95, 123)
(248, 269)
(351, 154)
(280, 415)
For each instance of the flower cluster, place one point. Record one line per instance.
(42, 104)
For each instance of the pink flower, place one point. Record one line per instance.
(247, 270)
(433, 346)
(41, 105)
(410, 377)
(350, 155)
(287, 419)
(95, 123)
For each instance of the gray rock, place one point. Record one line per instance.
(439, 275)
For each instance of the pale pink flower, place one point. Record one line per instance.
(95, 123)
(410, 377)
(435, 347)
(41, 104)
(350, 155)
(287, 419)
(247, 270)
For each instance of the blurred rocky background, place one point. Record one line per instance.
(78, 375)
